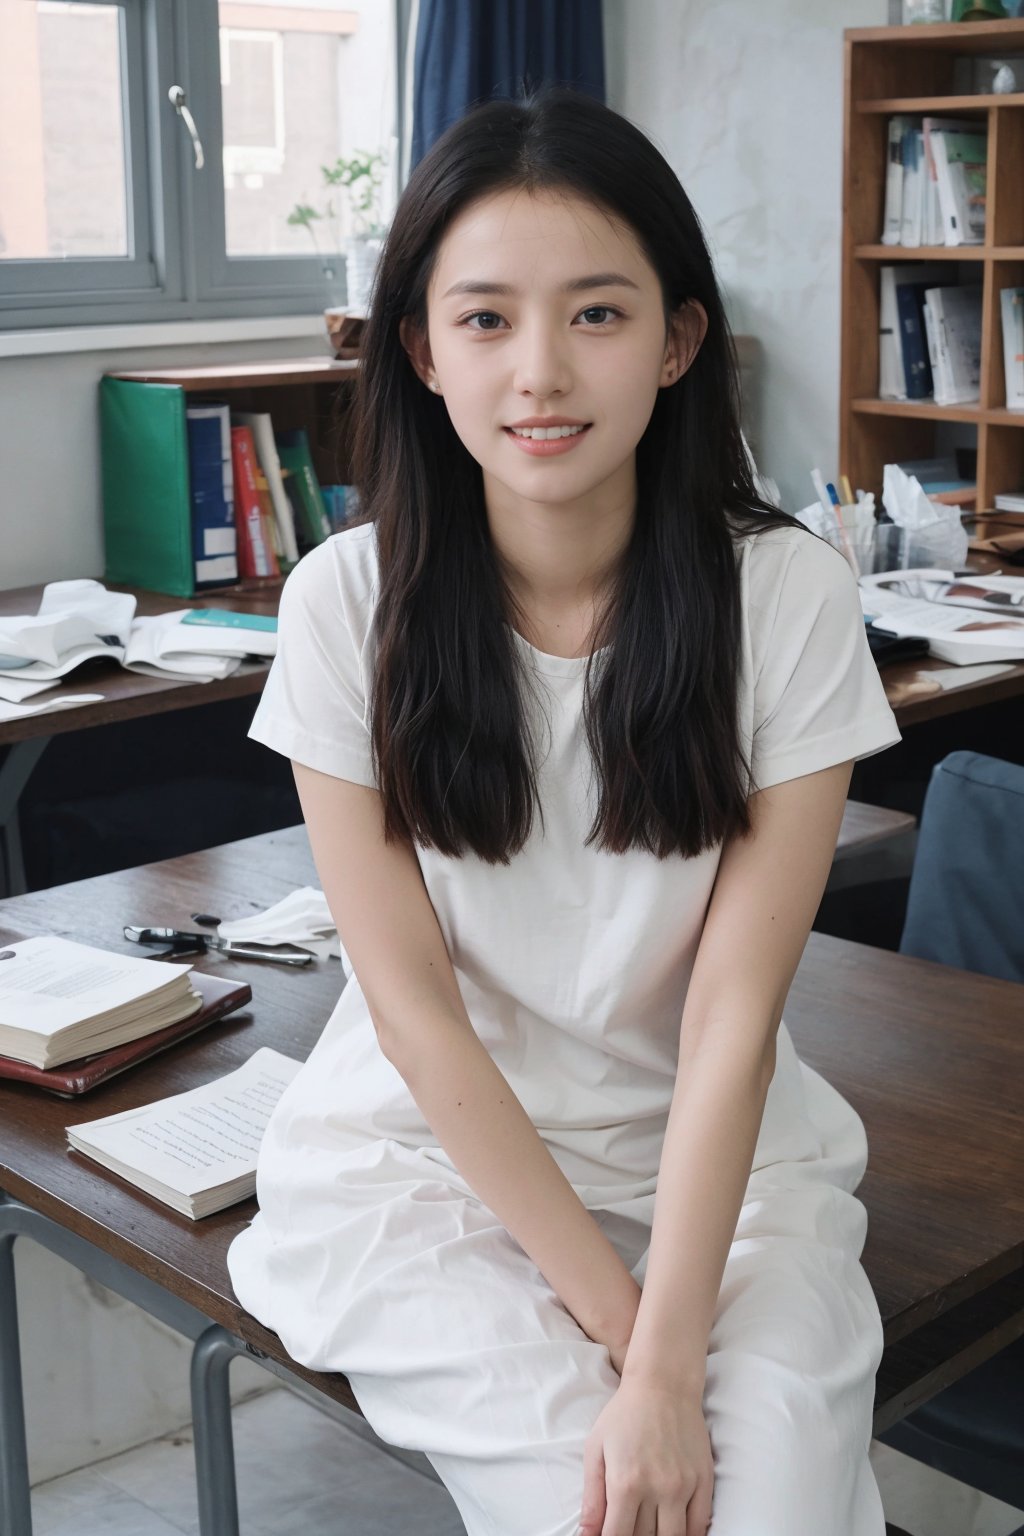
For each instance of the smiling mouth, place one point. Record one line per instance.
(548, 434)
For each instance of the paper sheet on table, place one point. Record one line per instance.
(22, 711)
(53, 671)
(15, 690)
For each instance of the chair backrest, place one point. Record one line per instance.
(966, 902)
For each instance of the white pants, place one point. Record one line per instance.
(456, 1346)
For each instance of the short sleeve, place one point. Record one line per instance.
(817, 698)
(313, 708)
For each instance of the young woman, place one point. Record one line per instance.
(572, 718)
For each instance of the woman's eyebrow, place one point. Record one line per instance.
(574, 285)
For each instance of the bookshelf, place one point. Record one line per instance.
(891, 70)
(145, 450)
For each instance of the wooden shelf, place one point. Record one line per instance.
(921, 410)
(877, 252)
(920, 252)
(927, 410)
(299, 370)
(940, 106)
(982, 37)
(913, 70)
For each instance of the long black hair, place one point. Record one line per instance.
(453, 753)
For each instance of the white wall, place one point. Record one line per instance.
(745, 100)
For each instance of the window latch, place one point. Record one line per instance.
(176, 96)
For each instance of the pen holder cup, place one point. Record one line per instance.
(878, 547)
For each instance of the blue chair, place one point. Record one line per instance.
(965, 908)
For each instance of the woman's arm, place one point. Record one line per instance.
(390, 932)
(765, 897)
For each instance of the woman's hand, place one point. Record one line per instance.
(647, 1464)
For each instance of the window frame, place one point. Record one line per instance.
(180, 269)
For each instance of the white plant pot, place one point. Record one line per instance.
(360, 264)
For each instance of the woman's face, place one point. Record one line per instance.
(541, 309)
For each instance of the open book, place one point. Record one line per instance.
(963, 620)
(195, 1151)
(60, 1000)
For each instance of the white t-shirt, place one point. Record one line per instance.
(573, 962)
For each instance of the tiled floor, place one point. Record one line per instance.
(301, 1474)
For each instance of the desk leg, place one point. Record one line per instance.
(15, 1498)
(211, 1430)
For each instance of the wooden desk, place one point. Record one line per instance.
(130, 695)
(931, 1058)
(126, 696)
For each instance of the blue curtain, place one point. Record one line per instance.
(471, 50)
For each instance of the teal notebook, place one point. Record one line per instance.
(224, 618)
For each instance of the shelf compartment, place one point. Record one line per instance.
(1004, 223)
(1004, 459)
(1002, 274)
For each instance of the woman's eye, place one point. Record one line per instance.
(595, 314)
(482, 314)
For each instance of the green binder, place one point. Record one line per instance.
(146, 507)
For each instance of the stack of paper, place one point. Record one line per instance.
(196, 1151)
(77, 620)
(60, 1000)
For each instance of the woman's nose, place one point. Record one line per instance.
(542, 366)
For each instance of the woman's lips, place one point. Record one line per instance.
(546, 447)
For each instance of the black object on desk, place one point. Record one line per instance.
(890, 648)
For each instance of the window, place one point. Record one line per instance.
(154, 154)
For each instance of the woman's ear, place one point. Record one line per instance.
(687, 330)
(417, 347)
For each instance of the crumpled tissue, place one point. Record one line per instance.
(302, 918)
(935, 534)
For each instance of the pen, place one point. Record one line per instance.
(819, 489)
(834, 505)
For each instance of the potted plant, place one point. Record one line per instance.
(358, 179)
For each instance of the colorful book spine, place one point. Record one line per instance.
(294, 453)
(211, 495)
(256, 558)
(266, 452)
(917, 371)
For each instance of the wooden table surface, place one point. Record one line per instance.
(931, 1058)
(128, 695)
